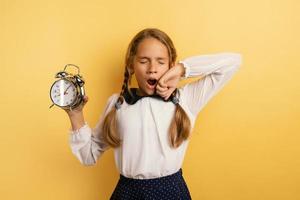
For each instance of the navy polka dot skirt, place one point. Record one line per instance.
(171, 187)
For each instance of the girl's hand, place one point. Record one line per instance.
(79, 108)
(168, 82)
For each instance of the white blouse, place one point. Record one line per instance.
(143, 126)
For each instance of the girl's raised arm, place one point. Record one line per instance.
(87, 143)
(215, 71)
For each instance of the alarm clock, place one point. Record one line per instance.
(67, 91)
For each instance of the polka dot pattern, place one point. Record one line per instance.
(171, 187)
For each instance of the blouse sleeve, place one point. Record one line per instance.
(215, 71)
(87, 143)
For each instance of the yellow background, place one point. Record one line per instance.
(246, 141)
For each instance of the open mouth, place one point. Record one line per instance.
(152, 82)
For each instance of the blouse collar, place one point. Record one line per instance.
(134, 97)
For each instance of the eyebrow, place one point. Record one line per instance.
(158, 58)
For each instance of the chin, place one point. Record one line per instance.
(151, 92)
(147, 92)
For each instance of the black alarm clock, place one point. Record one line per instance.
(68, 91)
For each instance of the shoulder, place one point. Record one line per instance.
(113, 98)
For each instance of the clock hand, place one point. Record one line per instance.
(66, 90)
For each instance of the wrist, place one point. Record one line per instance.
(77, 121)
(75, 114)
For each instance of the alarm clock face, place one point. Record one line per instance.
(63, 92)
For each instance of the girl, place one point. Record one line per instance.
(149, 127)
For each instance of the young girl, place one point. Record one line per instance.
(149, 127)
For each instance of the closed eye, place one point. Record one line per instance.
(143, 61)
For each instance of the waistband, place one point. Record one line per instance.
(176, 174)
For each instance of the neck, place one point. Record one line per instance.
(141, 93)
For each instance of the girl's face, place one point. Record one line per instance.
(150, 63)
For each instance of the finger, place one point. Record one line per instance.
(167, 97)
(166, 93)
(163, 94)
(162, 83)
(169, 93)
(161, 89)
(83, 102)
(86, 99)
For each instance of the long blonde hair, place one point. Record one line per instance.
(180, 126)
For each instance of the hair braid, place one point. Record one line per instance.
(180, 126)
(110, 129)
(124, 87)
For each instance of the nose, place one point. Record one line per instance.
(152, 68)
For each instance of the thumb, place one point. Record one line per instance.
(85, 99)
